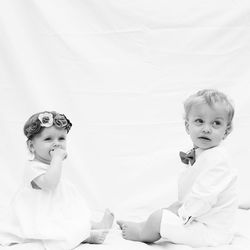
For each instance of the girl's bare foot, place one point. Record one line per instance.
(100, 230)
(97, 236)
(245, 206)
(106, 221)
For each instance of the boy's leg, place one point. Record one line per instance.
(151, 229)
(147, 231)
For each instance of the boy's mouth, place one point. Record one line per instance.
(204, 138)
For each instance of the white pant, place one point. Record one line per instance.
(195, 234)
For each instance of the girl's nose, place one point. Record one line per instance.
(56, 143)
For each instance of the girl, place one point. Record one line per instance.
(47, 207)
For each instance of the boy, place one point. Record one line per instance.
(207, 200)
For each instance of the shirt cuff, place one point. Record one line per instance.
(185, 218)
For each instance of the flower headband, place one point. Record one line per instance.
(45, 120)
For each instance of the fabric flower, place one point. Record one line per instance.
(61, 121)
(34, 128)
(46, 119)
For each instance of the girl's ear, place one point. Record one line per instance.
(30, 146)
(187, 126)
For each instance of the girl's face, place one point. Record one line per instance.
(42, 144)
(206, 125)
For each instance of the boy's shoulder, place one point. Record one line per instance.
(215, 154)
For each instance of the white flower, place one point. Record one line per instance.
(46, 119)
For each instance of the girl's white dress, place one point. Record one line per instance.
(59, 218)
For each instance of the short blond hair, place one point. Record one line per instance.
(210, 97)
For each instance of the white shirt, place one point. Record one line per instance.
(207, 190)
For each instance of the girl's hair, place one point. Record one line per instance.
(37, 122)
(210, 97)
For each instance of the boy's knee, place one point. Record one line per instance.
(155, 218)
(158, 214)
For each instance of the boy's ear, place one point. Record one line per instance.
(30, 146)
(187, 126)
(228, 130)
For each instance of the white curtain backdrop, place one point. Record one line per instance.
(120, 71)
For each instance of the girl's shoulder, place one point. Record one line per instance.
(36, 164)
(34, 169)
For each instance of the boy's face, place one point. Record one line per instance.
(206, 125)
(48, 139)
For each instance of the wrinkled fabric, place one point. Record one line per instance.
(58, 218)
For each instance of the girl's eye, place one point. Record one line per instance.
(47, 139)
(198, 121)
(61, 138)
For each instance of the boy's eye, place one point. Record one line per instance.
(47, 139)
(217, 123)
(62, 138)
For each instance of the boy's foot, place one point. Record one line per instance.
(96, 236)
(130, 230)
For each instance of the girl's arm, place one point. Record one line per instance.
(51, 178)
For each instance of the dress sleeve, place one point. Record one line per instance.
(205, 191)
(33, 170)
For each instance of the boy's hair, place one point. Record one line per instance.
(37, 122)
(210, 97)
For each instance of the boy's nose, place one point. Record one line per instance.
(206, 129)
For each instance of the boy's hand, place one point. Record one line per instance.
(58, 152)
(174, 207)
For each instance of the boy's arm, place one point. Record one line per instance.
(205, 191)
(174, 207)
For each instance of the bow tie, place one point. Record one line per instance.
(188, 157)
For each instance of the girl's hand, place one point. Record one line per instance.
(58, 152)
